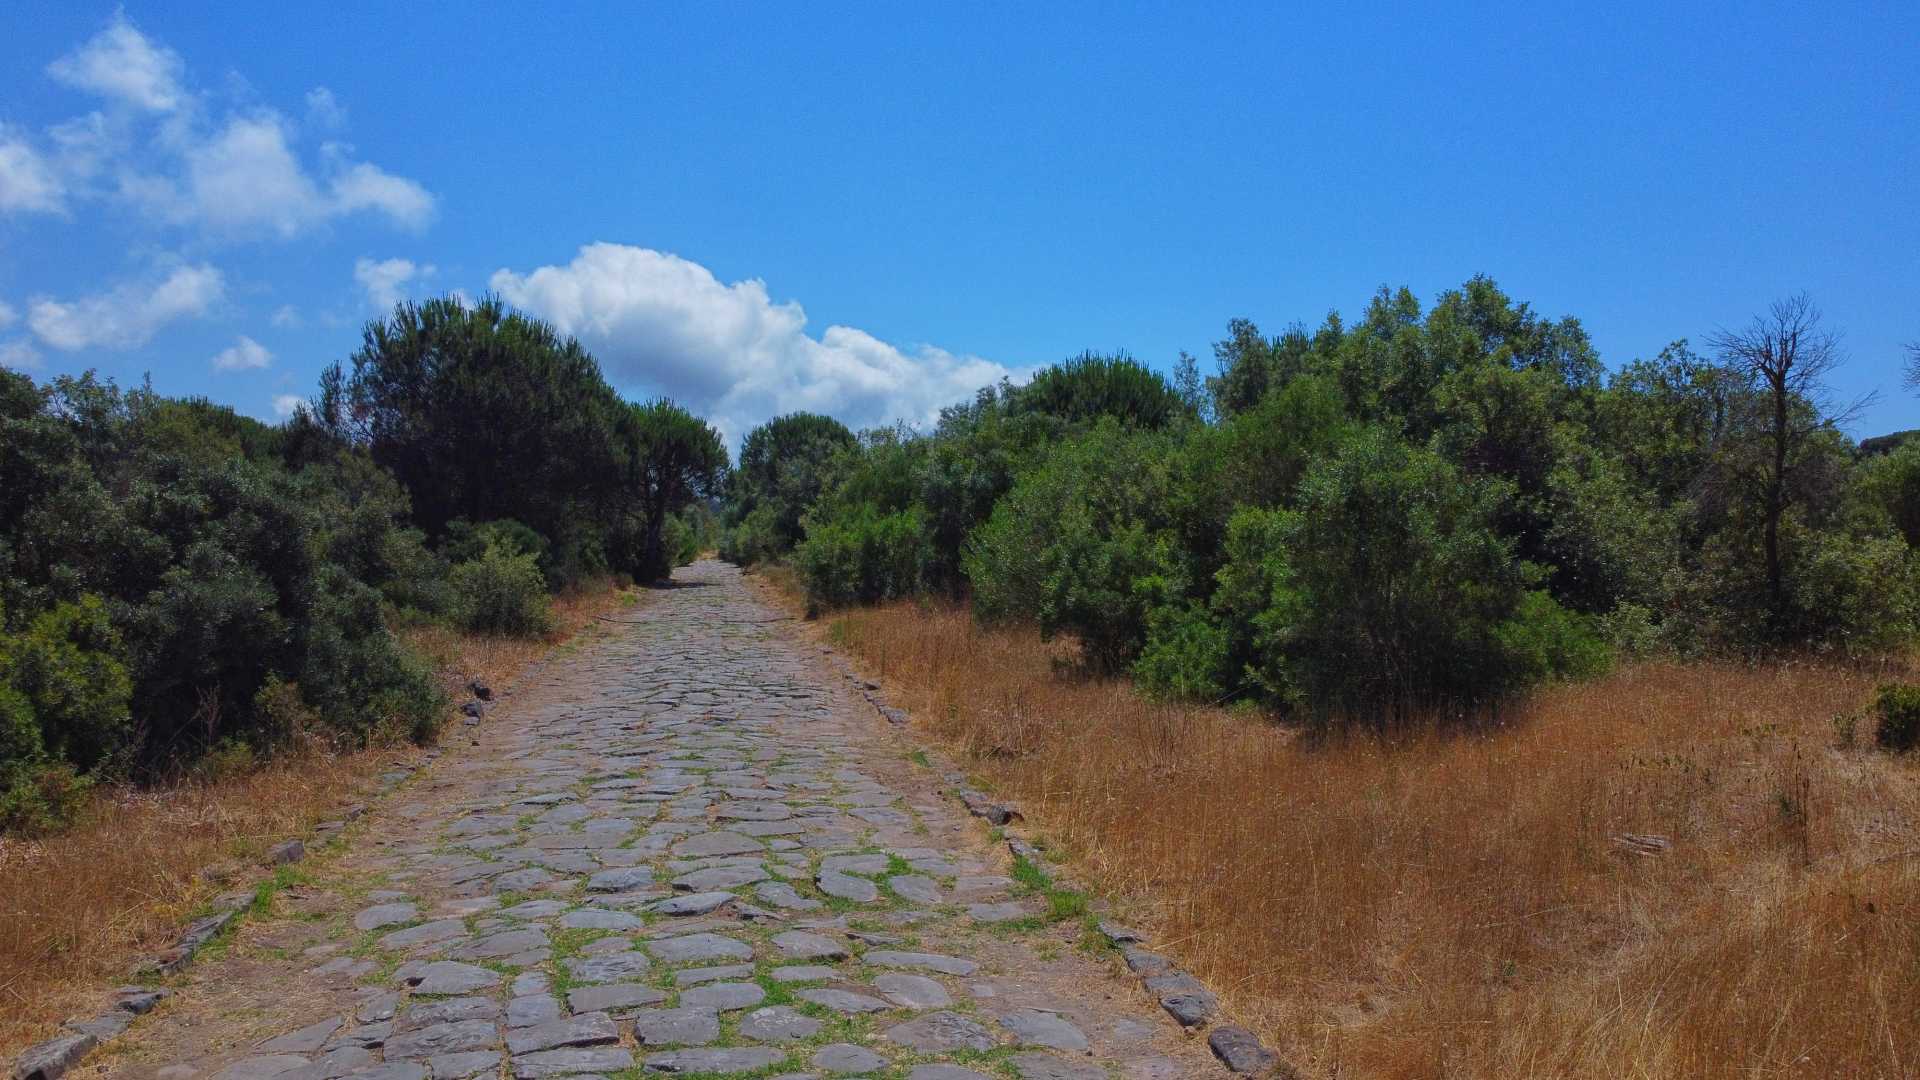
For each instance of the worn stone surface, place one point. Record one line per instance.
(1038, 1027)
(734, 1059)
(1240, 1050)
(52, 1059)
(644, 835)
(846, 1058)
(940, 1032)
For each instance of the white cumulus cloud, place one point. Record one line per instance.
(285, 405)
(123, 64)
(386, 280)
(8, 316)
(246, 180)
(129, 314)
(286, 317)
(666, 324)
(240, 174)
(245, 354)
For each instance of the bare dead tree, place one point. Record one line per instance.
(1788, 355)
(1912, 377)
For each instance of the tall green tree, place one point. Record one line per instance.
(672, 458)
(483, 413)
(783, 469)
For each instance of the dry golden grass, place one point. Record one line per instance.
(80, 908)
(1458, 906)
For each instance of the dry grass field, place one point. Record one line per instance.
(1468, 905)
(77, 909)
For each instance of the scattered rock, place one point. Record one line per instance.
(1240, 1050)
(50, 1060)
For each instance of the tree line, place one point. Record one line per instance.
(179, 581)
(1418, 513)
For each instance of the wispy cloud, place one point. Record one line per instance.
(129, 314)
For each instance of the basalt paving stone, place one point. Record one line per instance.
(912, 991)
(611, 967)
(613, 997)
(847, 887)
(724, 996)
(676, 1027)
(793, 973)
(779, 1023)
(843, 1001)
(697, 976)
(1038, 1027)
(945, 1072)
(727, 1060)
(942, 1032)
(800, 945)
(699, 948)
(641, 820)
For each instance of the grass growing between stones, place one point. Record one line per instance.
(1458, 904)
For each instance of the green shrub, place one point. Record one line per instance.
(410, 704)
(755, 538)
(501, 593)
(1544, 640)
(1389, 592)
(1898, 706)
(1188, 655)
(680, 541)
(1081, 544)
(40, 797)
(863, 556)
(63, 678)
(466, 541)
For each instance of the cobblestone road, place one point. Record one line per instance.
(686, 848)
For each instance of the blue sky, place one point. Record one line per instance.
(869, 210)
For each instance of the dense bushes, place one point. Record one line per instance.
(1081, 544)
(864, 556)
(1418, 512)
(1898, 707)
(501, 592)
(156, 575)
(178, 581)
